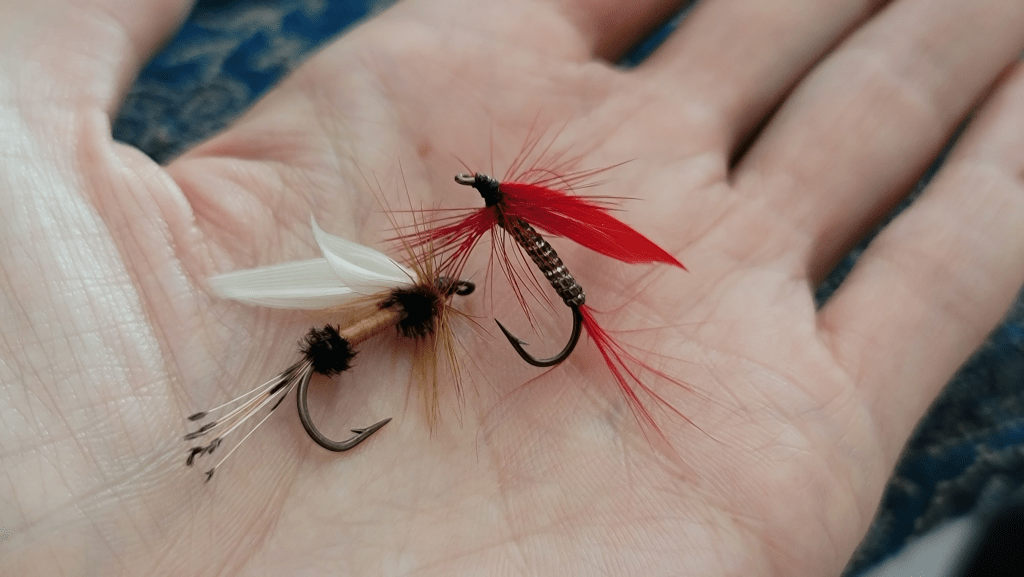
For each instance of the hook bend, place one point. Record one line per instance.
(315, 434)
(517, 343)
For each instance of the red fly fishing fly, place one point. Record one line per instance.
(545, 195)
(548, 203)
(373, 290)
(541, 198)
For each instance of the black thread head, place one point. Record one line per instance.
(422, 304)
(489, 188)
(329, 353)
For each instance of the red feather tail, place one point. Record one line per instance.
(626, 370)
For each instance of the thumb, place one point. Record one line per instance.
(75, 52)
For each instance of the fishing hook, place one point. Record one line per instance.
(517, 343)
(446, 285)
(315, 434)
(550, 265)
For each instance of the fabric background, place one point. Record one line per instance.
(967, 453)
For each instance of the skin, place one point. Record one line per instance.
(766, 138)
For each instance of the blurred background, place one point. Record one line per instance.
(957, 494)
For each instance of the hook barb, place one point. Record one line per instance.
(517, 343)
(315, 434)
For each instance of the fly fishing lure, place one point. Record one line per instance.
(519, 206)
(374, 290)
(543, 198)
(549, 204)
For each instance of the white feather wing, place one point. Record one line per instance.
(306, 284)
(359, 267)
(347, 271)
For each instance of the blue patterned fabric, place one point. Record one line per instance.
(227, 55)
(967, 453)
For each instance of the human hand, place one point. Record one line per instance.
(111, 336)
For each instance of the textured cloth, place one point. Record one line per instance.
(967, 453)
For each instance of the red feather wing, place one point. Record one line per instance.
(581, 220)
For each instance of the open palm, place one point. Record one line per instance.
(111, 336)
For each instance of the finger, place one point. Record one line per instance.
(611, 27)
(91, 49)
(739, 57)
(867, 122)
(938, 278)
(574, 29)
